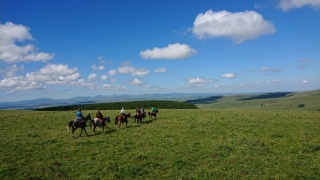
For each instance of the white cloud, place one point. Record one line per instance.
(305, 82)
(271, 69)
(104, 77)
(126, 69)
(135, 81)
(114, 87)
(285, 5)
(274, 81)
(160, 70)
(92, 76)
(230, 75)
(10, 52)
(54, 74)
(238, 26)
(101, 60)
(50, 74)
(10, 71)
(112, 72)
(140, 72)
(198, 80)
(172, 51)
(95, 67)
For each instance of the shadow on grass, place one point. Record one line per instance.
(207, 100)
(266, 96)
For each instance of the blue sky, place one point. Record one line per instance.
(62, 49)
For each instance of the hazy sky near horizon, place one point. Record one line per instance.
(62, 49)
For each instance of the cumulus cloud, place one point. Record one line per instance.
(10, 71)
(171, 52)
(95, 67)
(50, 74)
(125, 69)
(305, 82)
(238, 26)
(104, 77)
(112, 72)
(135, 81)
(92, 76)
(160, 70)
(54, 74)
(198, 80)
(10, 52)
(285, 5)
(229, 76)
(140, 72)
(114, 87)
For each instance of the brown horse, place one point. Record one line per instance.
(153, 115)
(138, 118)
(98, 122)
(80, 124)
(122, 119)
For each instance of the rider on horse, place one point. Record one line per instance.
(79, 117)
(138, 112)
(123, 113)
(100, 116)
(142, 111)
(153, 110)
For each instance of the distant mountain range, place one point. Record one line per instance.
(48, 102)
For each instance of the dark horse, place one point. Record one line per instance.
(153, 115)
(99, 122)
(138, 118)
(80, 124)
(122, 119)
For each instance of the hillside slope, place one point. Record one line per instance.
(309, 100)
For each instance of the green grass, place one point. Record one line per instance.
(179, 144)
(291, 102)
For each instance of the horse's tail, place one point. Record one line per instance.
(69, 125)
(116, 120)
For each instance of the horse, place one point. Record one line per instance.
(153, 114)
(138, 118)
(120, 120)
(79, 124)
(98, 122)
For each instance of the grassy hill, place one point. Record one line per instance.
(308, 100)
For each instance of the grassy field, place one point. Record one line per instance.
(179, 144)
(310, 100)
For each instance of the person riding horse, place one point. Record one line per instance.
(79, 117)
(138, 112)
(123, 113)
(100, 116)
(143, 112)
(153, 110)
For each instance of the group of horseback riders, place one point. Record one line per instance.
(139, 111)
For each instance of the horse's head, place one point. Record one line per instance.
(107, 119)
(88, 117)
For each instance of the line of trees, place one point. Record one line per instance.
(158, 104)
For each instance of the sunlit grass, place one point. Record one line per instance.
(179, 144)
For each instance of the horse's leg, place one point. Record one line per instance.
(81, 131)
(73, 129)
(85, 130)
